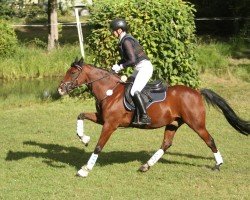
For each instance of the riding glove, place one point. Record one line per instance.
(117, 68)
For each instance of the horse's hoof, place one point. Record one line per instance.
(216, 167)
(144, 168)
(83, 172)
(84, 139)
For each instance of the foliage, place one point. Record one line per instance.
(221, 8)
(11, 9)
(245, 32)
(8, 39)
(164, 28)
(30, 10)
(5, 9)
(31, 60)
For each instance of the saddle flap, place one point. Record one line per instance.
(153, 92)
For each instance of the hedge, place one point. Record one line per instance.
(164, 28)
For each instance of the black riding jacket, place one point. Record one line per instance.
(131, 51)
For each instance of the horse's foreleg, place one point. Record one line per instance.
(107, 130)
(167, 142)
(80, 126)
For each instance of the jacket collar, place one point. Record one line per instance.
(122, 35)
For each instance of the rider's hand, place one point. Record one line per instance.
(116, 68)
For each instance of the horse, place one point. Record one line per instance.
(182, 104)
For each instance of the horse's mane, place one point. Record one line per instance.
(80, 63)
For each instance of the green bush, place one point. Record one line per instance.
(10, 9)
(164, 28)
(8, 39)
(6, 11)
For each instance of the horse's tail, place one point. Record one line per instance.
(217, 101)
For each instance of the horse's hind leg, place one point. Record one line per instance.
(199, 127)
(167, 142)
(203, 133)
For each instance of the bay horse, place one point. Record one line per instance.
(182, 105)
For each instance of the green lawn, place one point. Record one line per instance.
(40, 155)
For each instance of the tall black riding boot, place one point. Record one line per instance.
(144, 118)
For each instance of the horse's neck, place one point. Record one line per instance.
(101, 81)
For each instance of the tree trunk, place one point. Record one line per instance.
(52, 21)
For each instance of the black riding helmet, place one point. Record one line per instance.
(118, 23)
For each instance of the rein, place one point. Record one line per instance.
(89, 83)
(107, 95)
(70, 85)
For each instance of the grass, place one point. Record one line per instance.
(40, 154)
(35, 62)
(229, 58)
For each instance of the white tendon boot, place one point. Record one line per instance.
(219, 161)
(84, 171)
(80, 133)
(155, 157)
(218, 158)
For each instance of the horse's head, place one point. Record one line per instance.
(73, 78)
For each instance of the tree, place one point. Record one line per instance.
(53, 28)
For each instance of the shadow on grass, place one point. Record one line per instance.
(77, 157)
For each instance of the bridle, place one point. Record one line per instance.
(70, 85)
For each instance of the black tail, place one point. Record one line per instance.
(214, 99)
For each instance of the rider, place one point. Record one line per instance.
(132, 54)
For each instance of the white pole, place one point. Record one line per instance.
(79, 29)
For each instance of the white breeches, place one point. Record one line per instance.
(142, 73)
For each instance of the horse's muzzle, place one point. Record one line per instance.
(65, 88)
(61, 91)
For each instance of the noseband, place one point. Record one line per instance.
(70, 85)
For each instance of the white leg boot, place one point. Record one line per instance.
(80, 132)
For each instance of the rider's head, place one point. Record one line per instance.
(118, 25)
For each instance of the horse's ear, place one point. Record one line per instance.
(81, 61)
(76, 60)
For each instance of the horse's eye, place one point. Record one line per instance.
(73, 72)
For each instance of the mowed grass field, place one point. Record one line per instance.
(40, 154)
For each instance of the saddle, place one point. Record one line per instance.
(152, 93)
